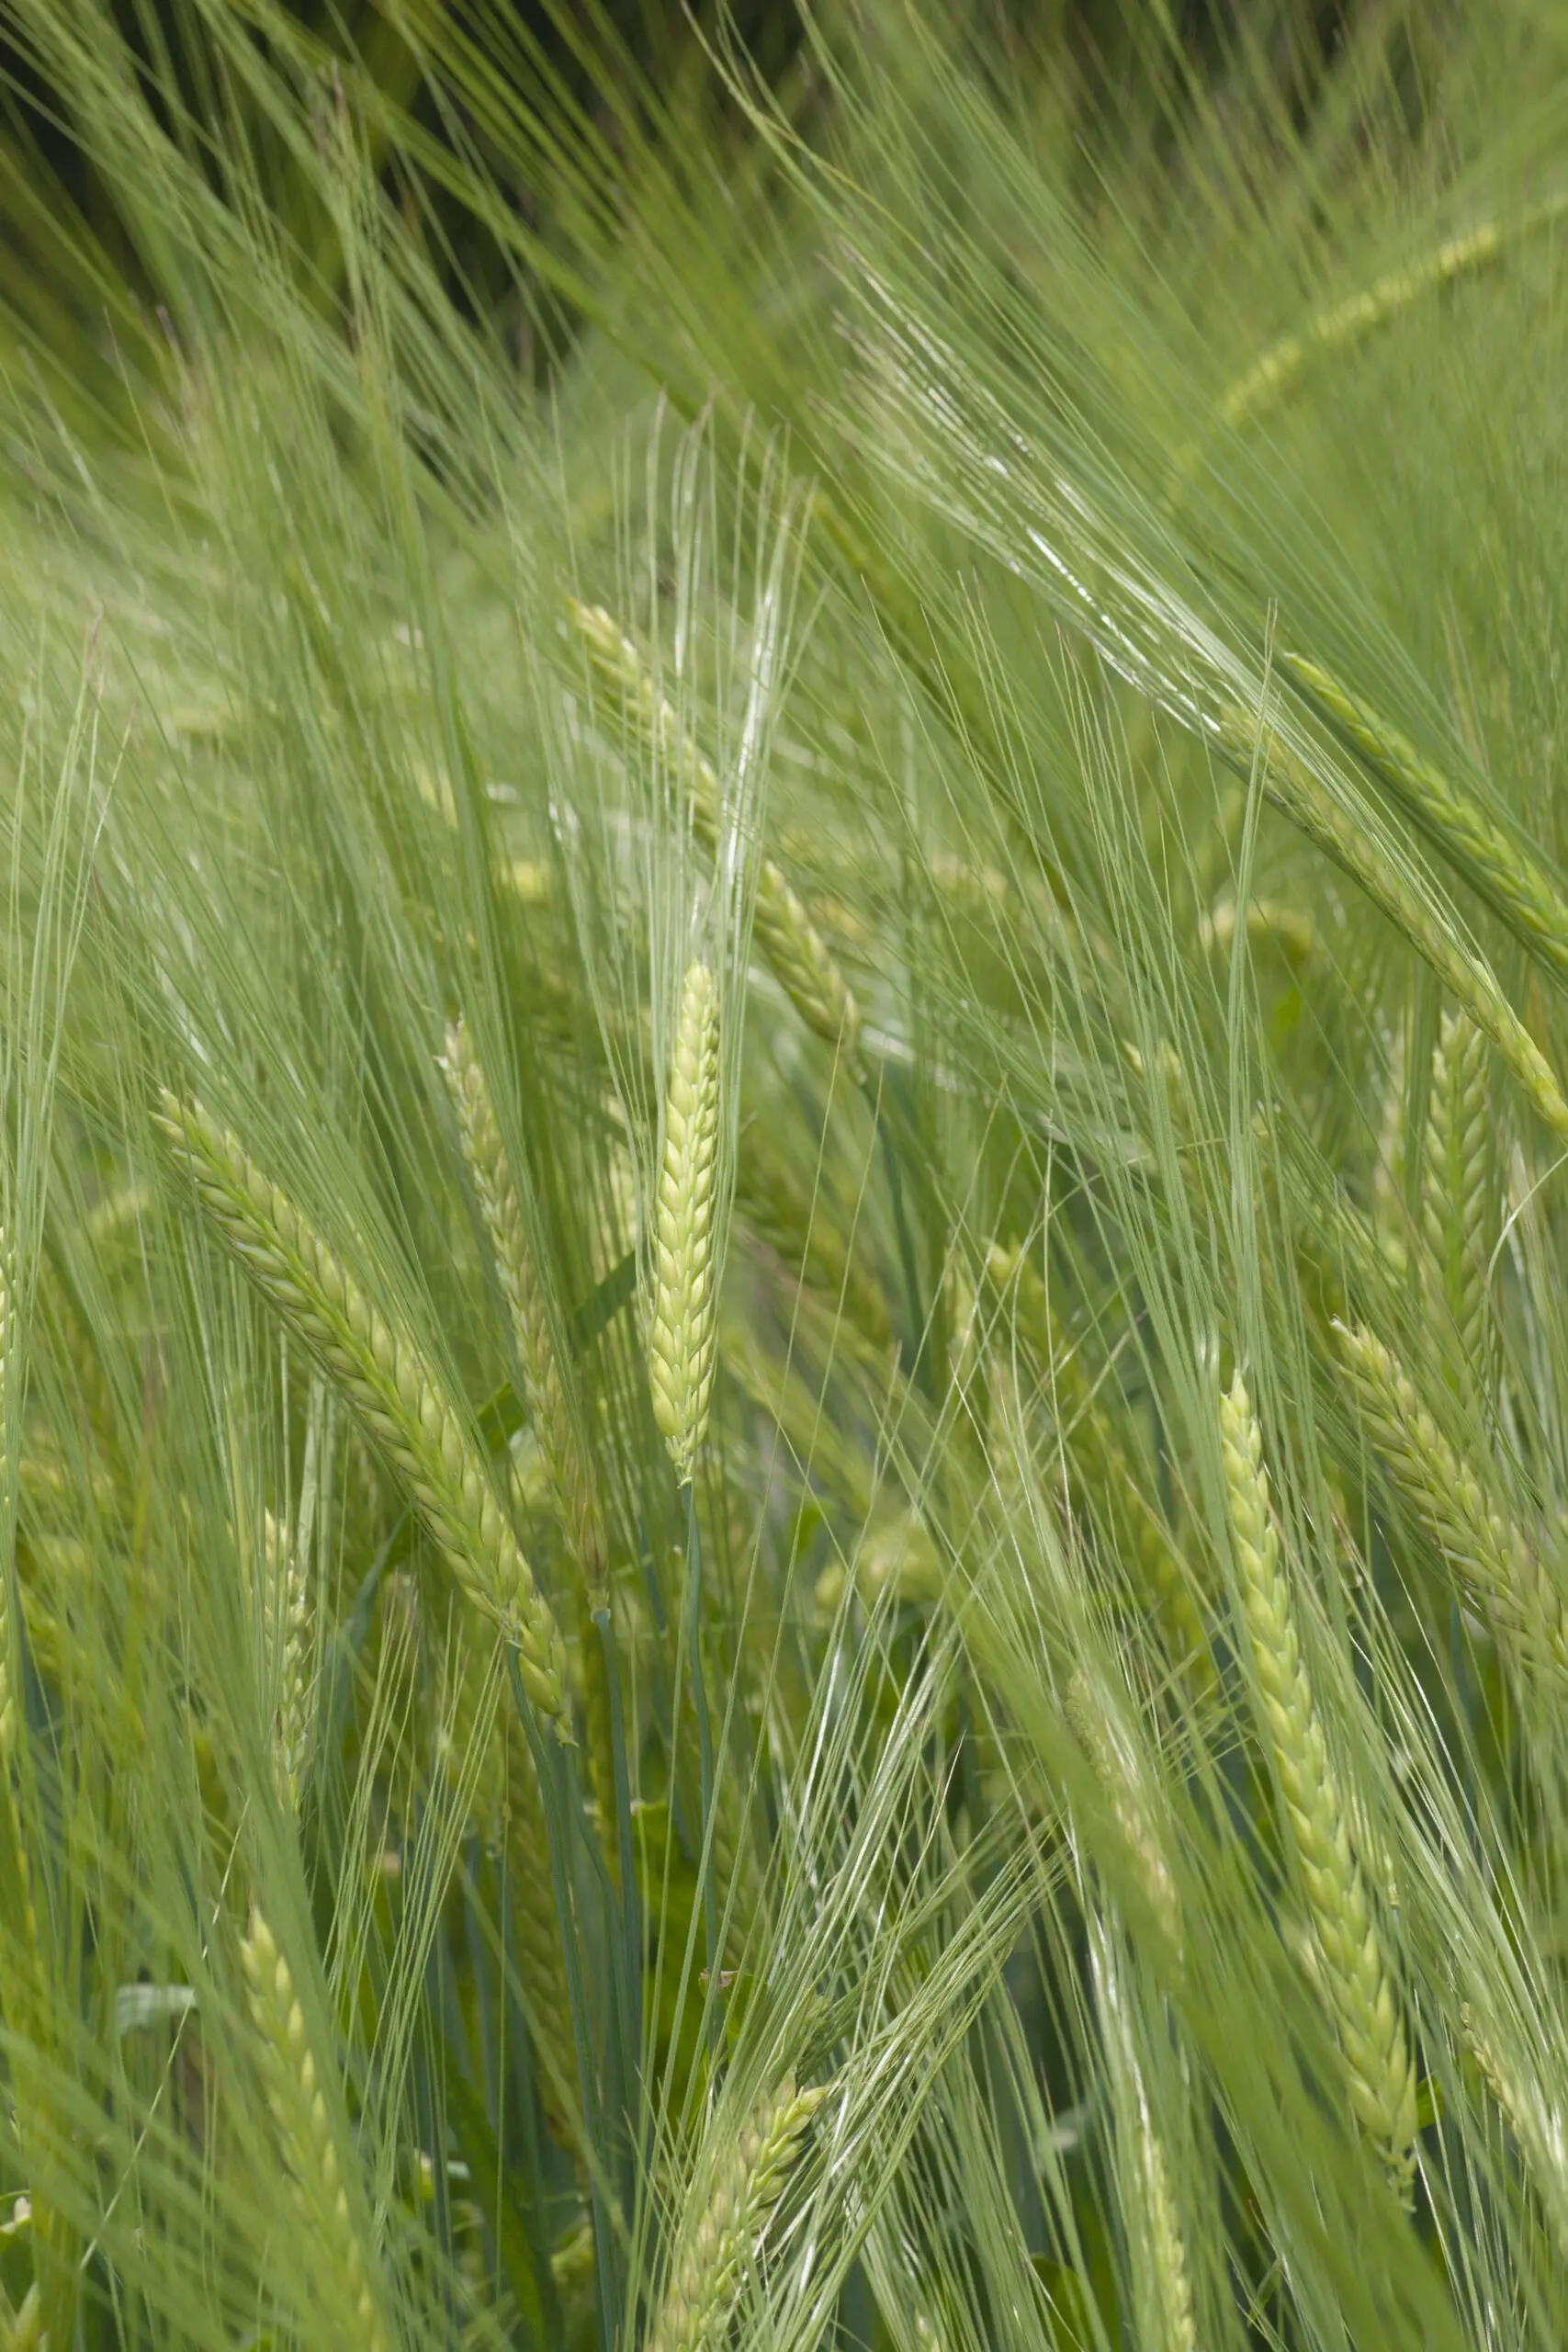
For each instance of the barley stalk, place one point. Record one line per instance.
(1457, 1217)
(26, 2000)
(1447, 1497)
(1500, 867)
(485, 1755)
(298, 2106)
(392, 1390)
(682, 1339)
(1298, 794)
(803, 963)
(536, 1926)
(712, 2261)
(1359, 1991)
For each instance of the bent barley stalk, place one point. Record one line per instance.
(394, 1393)
(1297, 793)
(711, 2264)
(295, 2096)
(1499, 866)
(681, 1341)
(803, 963)
(1491, 1557)
(1381, 2076)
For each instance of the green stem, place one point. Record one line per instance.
(705, 1756)
(549, 1760)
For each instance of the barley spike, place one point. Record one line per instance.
(682, 1344)
(1457, 1217)
(1167, 2246)
(1381, 2076)
(1298, 794)
(710, 2266)
(382, 1375)
(1499, 866)
(803, 963)
(289, 1606)
(1446, 1495)
(305, 2136)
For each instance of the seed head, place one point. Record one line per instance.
(682, 1344)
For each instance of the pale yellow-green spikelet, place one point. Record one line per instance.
(1354, 1975)
(288, 1632)
(715, 2251)
(1293, 788)
(803, 963)
(1273, 373)
(1167, 2248)
(563, 1452)
(341, 2279)
(1458, 1217)
(1490, 1556)
(682, 1340)
(381, 1374)
(1496, 863)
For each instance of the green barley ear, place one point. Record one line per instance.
(1457, 1214)
(682, 1340)
(1295, 791)
(711, 2265)
(1498, 866)
(1166, 2245)
(299, 2108)
(1274, 373)
(565, 1456)
(803, 963)
(289, 1610)
(1360, 1993)
(382, 1375)
(1491, 1558)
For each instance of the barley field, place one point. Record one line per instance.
(784, 1236)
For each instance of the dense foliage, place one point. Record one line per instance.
(784, 1377)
